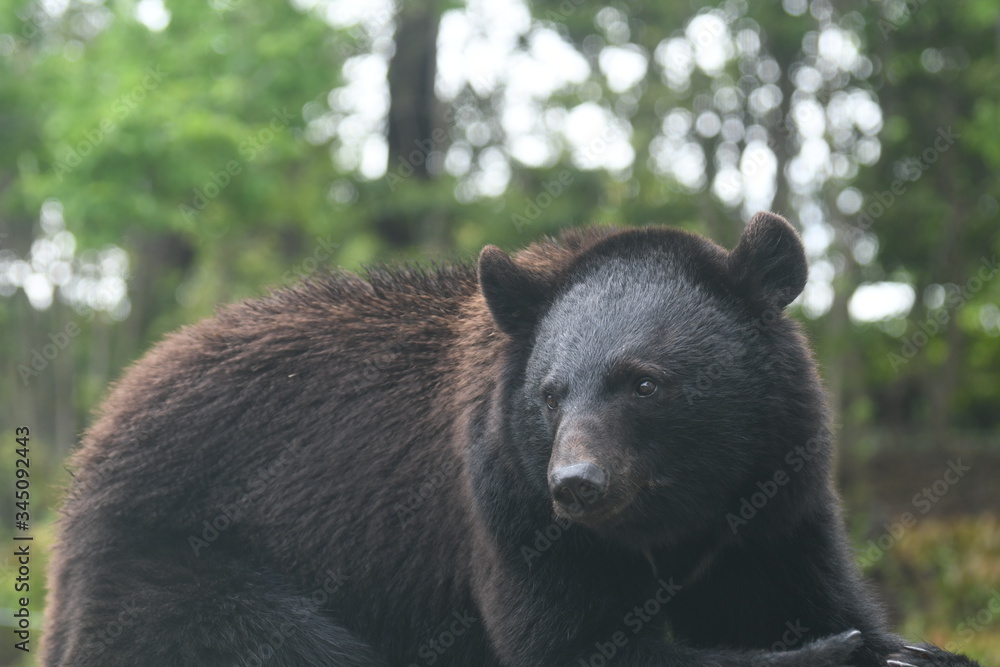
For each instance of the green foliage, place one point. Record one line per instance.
(196, 149)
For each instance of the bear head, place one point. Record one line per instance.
(660, 377)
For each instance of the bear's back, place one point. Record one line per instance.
(338, 372)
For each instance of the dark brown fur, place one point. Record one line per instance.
(327, 476)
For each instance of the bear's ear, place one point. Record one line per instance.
(515, 296)
(769, 261)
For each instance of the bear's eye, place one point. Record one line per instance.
(551, 401)
(645, 388)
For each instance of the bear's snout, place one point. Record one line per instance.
(579, 487)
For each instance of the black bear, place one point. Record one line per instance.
(610, 449)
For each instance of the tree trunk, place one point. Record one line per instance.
(415, 131)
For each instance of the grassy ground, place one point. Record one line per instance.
(941, 579)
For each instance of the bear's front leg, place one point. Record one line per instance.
(578, 604)
(772, 589)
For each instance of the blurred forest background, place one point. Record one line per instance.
(160, 158)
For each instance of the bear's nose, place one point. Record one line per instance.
(579, 486)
